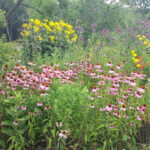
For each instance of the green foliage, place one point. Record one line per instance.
(47, 8)
(9, 54)
(14, 21)
(2, 21)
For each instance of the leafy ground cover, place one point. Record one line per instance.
(69, 93)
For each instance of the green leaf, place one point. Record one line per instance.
(125, 137)
(8, 131)
(49, 143)
(6, 122)
(2, 143)
(53, 133)
(86, 139)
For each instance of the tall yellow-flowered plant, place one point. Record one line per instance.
(48, 34)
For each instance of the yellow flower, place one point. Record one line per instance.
(133, 58)
(74, 38)
(143, 37)
(140, 38)
(134, 54)
(36, 29)
(52, 38)
(31, 20)
(27, 33)
(145, 43)
(138, 65)
(148, 45)
(40, 38)
(25, 25)
(22, 34)
(67, 37)
(136, 60)
(66, 31)
(51, 23)
(45, 20)
(59, 28)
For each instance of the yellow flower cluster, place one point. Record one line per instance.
(135, 59)
(144, 40)
(52, 29)
(134, 55)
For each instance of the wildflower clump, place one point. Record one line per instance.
(44, 36)
(144, 40)
(138, 60)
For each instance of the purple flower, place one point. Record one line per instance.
(130, 29)
(80, 29)
(118, 30)
(94, 25)
(148, 24)
(23, 107)
(112, 126)
(104, 31)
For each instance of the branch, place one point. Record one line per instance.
(13, 9)
(32, 8)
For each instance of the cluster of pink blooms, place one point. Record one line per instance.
(121, 85)
(26, 78)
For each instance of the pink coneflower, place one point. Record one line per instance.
(144, 106)
(138, 94)
(109, 64)
(99, 96)
(123, 108)
(112, 126)
(43, 93)
(101, 82)
(141, 89)
(15, 122)
(118, 67)
(116, 114)
(97, 65)
(139, 117)
(63, 134)
(58, 124)
(31, 64)
(111, 71)
(47, 107)
(115, 108)
(30, 113)
(35, 113)
(92, 106)
(109, 108)
(10, 96)
(39, 104)
(125, 96)
(116, 84)
(95, 89)
(132, 83)
(113, 89)
(23, 107)
(102, 109)
(131, 124)
(131, 107)
(1, 124)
